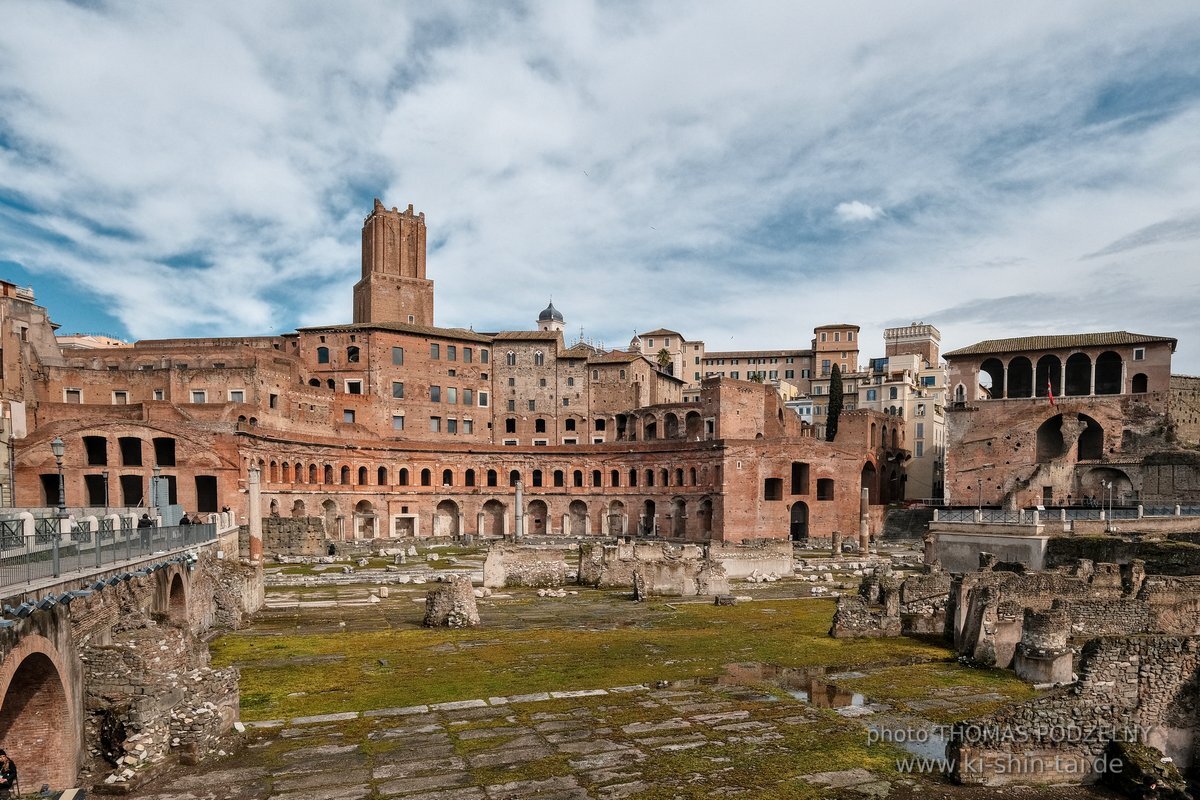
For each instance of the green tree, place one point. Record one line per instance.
(757, 377)
(664, 361)
(835, 403)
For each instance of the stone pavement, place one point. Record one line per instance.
(607, 744)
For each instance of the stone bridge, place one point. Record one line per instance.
(106, 659)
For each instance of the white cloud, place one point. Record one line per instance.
(656, 165)
(858, 211)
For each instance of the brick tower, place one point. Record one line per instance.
(393, 286)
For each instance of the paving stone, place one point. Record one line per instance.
(357, 792)
(540, 788)
(841, 778)
(511, 756)
(536, 697)
(340, 717)
(613, 758)
(219, 777)
(439, 780)
(396, 712)
(591, 746)
(618, 791)
(462, 793)
(415, 730)
(561, 725)
(579, 693)
(637, 687)
(488, 733)
(602, 776)
(457, 704)
(651, 727)
(462, 716)
(407, 769)
(320, 751)
(750, 725)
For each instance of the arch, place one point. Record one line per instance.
(663, 477)
(1020, 377)
(692, 475)
(991, 377)
(381, 476)
(177, 606)
(536, 478)
(671, 426)
(559, 478)
(402, 477)
(322, 355)
(298, 509)
(298, 472)
(447, 477)
(539, 425)
(649, 427)
(510, 358)
(1093, 484)
(1048, 374)
(597, 477)
(825, 488)
(274, 507)
(469, 478)
(647, 527)
(362, 476)
(798, 521)
(895, 437)
(614, 478)
(649, 477)
(426, 477)
(328, 473)
(345, 475)
(869, 480)
(622, 427)
(633, 477)
(1079, 375)
(578, 514)
(314, 382)
(678, 518)
(616, 518)
(352, 354)
(960, 393)
(36, 715)
(704, 516)
(1139, 384)
(570, 424)
(285, 472)
(364, 519)
(873, 440)
(492, 477)
(514, 477)
(1057, 435)
(330, 384)
(494, 513)
(577, 478)
(446, 520)
(312, 473)
(1108, 373)
(539, 359)
(1091, 440)
(329, 511)
(537, 516)
(679, 476)
(693, 425)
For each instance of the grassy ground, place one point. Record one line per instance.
(288, 672)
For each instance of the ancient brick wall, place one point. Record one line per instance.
(1185, 409)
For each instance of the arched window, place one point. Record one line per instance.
(344, 478)
(362, 476)
(539, 359)
(447, 477)
(539, 426)
(1139, 384)
(312, 473)
(352, 354)
(514, 477)
(491, 477)
(469, 477)
(598, 424)
(596, 478)
(328, 473)
(314, 382)
(577, 477)
(649, 477)
(381, 476)
(559, 479)
(693, 476)
(679, 477)
(426, 477)
(615, 477)
(595, 374)
(633, 477)
(402, 477)
(570, 424)
(510, 358)
(322, 355)
(537, 477)
(510, 425)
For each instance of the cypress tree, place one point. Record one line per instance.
(835, 403)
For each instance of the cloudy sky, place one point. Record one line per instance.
(737, 172)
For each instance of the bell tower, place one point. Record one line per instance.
(393, 286)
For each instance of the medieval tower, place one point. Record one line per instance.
(393, 286)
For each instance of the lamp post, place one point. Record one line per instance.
(1108, 485)
(154, 487)
(104, 474)
(979, 484)
(58, 447)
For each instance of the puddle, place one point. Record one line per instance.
(917, 736)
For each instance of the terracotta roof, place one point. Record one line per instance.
(615, 357)
(578, 351)
(536, 336)
(807, 353)
(403, 327)
(1064, 342)
(661, 332)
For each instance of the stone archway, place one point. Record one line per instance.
(536, 518)
(704, 514)
(37, 721)
(177, 604)
(364, 520)
(493, 518)
(869, 480)
(578, 513)
(678, 518)
(445, 520)
(647, 523)
(798, 521)
(670, 426)
(616, 518)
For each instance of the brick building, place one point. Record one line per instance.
(392, 426)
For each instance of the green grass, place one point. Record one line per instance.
(431, 666)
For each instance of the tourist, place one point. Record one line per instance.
(8, 774)
(144, 525)
(184, 519)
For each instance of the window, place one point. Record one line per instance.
(1139, 353)
(510, 358)
(237, 395)
(805, 373)
(451, 353)
(483, 356)
(398, 356)
(542, 383)
(452, 372)
(348, 415)
(512, 405)
(451, 426)
(199, 396)
(539, 359)
(452, 395)
(734, 375)
(837, 336)
(533, 405)
(920, 410)
(96, 448)
(595, 374)
(483, 399)
(160, 394)
(570, 381)
(435, 351)
(468, 397)
(322, 355)
(566, 401)
(773, 489)
(398, 390)
(825, 488)
(510, 425)
(920, 449)
(467, 353)
(570, 424)
(849, 336)
(539, 426)
(397, 422)
(435, 424)
(872, 395)
(353, 387)
(598, 424)
(352, 354)
(273, 400)
(920, 430)
(74, 396)
(120, 398)
(823, 335)
(929, 380)
(893, 393)
(468, 426)
(435, 394)
(622, 374)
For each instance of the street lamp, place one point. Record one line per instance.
(154, 487)
(1109, 486)
(58, 447)
(104, 474)
(979, 484)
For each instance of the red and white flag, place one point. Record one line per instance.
(1050, 391)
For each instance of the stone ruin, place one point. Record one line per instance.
(452, 604)
(888, 606)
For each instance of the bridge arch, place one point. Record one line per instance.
(38, 718)
(177, 601)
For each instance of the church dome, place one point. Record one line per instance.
(550, 314)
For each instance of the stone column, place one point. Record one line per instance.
(1092, 378)
(254, 513)
(929, 556)
(836, 544)
(479, 524)
(1124, 377)
(519, 528)
(1004, 393)
(1062, 378)
(566, 525)
(864, 521)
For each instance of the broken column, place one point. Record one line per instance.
(1043, 655)
(254, 500)
(864, 522)
(519, 530)
(452, 605)
(929, 557)
(836, 546)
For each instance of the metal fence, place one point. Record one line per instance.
(956, 515)
(47, 554)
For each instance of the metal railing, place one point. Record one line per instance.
(964, 514)
(24, 559)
